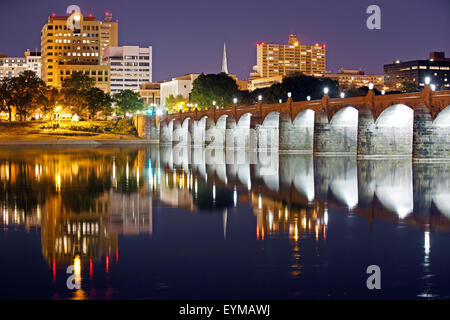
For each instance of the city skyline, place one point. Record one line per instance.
(202, 28)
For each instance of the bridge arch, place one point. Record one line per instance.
(215, 132)
(166, 132)
(296, 136)
(339, 135)
(238, 133)
(431, 138)
(391, 134)
(443, 118)
(268, 131)
(180, 131)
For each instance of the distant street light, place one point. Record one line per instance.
(280, 101)
(427, 80)
(383, 92)
(235, 100)
(308, 98)
(325, 90)
(289, 94)
(433, 87)
(259, 97)
(371, 86)
(342, 95)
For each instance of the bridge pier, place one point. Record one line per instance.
(335, 137)
(166, 132)
(196, 131)
(147, 127)
(296, 136)
(215, 132)
(389, 136)
(431, 140)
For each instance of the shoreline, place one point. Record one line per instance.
(75, 142)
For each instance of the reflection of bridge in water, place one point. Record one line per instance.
(390, 189)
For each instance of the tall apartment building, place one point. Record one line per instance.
(73, 44)
(130, 66)
(285, 59)
(437, 68)
(12, 67)
(109, 32)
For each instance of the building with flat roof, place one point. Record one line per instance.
(436, 67)
(265, 82)
(13, 66)
(178, 86)
(285, 59)
(109, 32)
(73, 44)
(151, 93)
(130, 67)
(356, 78)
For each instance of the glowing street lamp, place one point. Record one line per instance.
(342, 95)
(427, 80)
(289, 94)
(371, 86)
(234, 100)
(280, 101)
(259, 97)
(308, 98)
(325, 90)
(383, 92)
(433, 87)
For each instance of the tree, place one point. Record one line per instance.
(128, 101)
(173, 104)
(214, 87)
(75, 92)
(25, 91)
(6, 99)
(48, 99)
(409, 86)
(302, 86)
(78, 81)
(98, 101)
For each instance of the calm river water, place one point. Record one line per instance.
(172, 223)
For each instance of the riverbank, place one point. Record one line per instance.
(35, 133)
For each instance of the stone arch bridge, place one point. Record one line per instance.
(416, 124)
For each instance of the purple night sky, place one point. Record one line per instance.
(188, 36)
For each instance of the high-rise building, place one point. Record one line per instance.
(109, 32)
(285, 59)
(131, 66)
(12, 67)
(73, 44)
(437, 68)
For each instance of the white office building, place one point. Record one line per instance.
(180, 85)
(130, 66)
(11, 66)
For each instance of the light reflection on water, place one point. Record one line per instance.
(220, 224)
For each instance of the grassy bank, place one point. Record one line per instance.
(63, 130)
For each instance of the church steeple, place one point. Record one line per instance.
(224, 59)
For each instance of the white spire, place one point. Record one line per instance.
(224, 59)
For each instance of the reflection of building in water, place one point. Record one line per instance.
(130, 213)
(273, 217)
(66, 233)
(176, 189)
